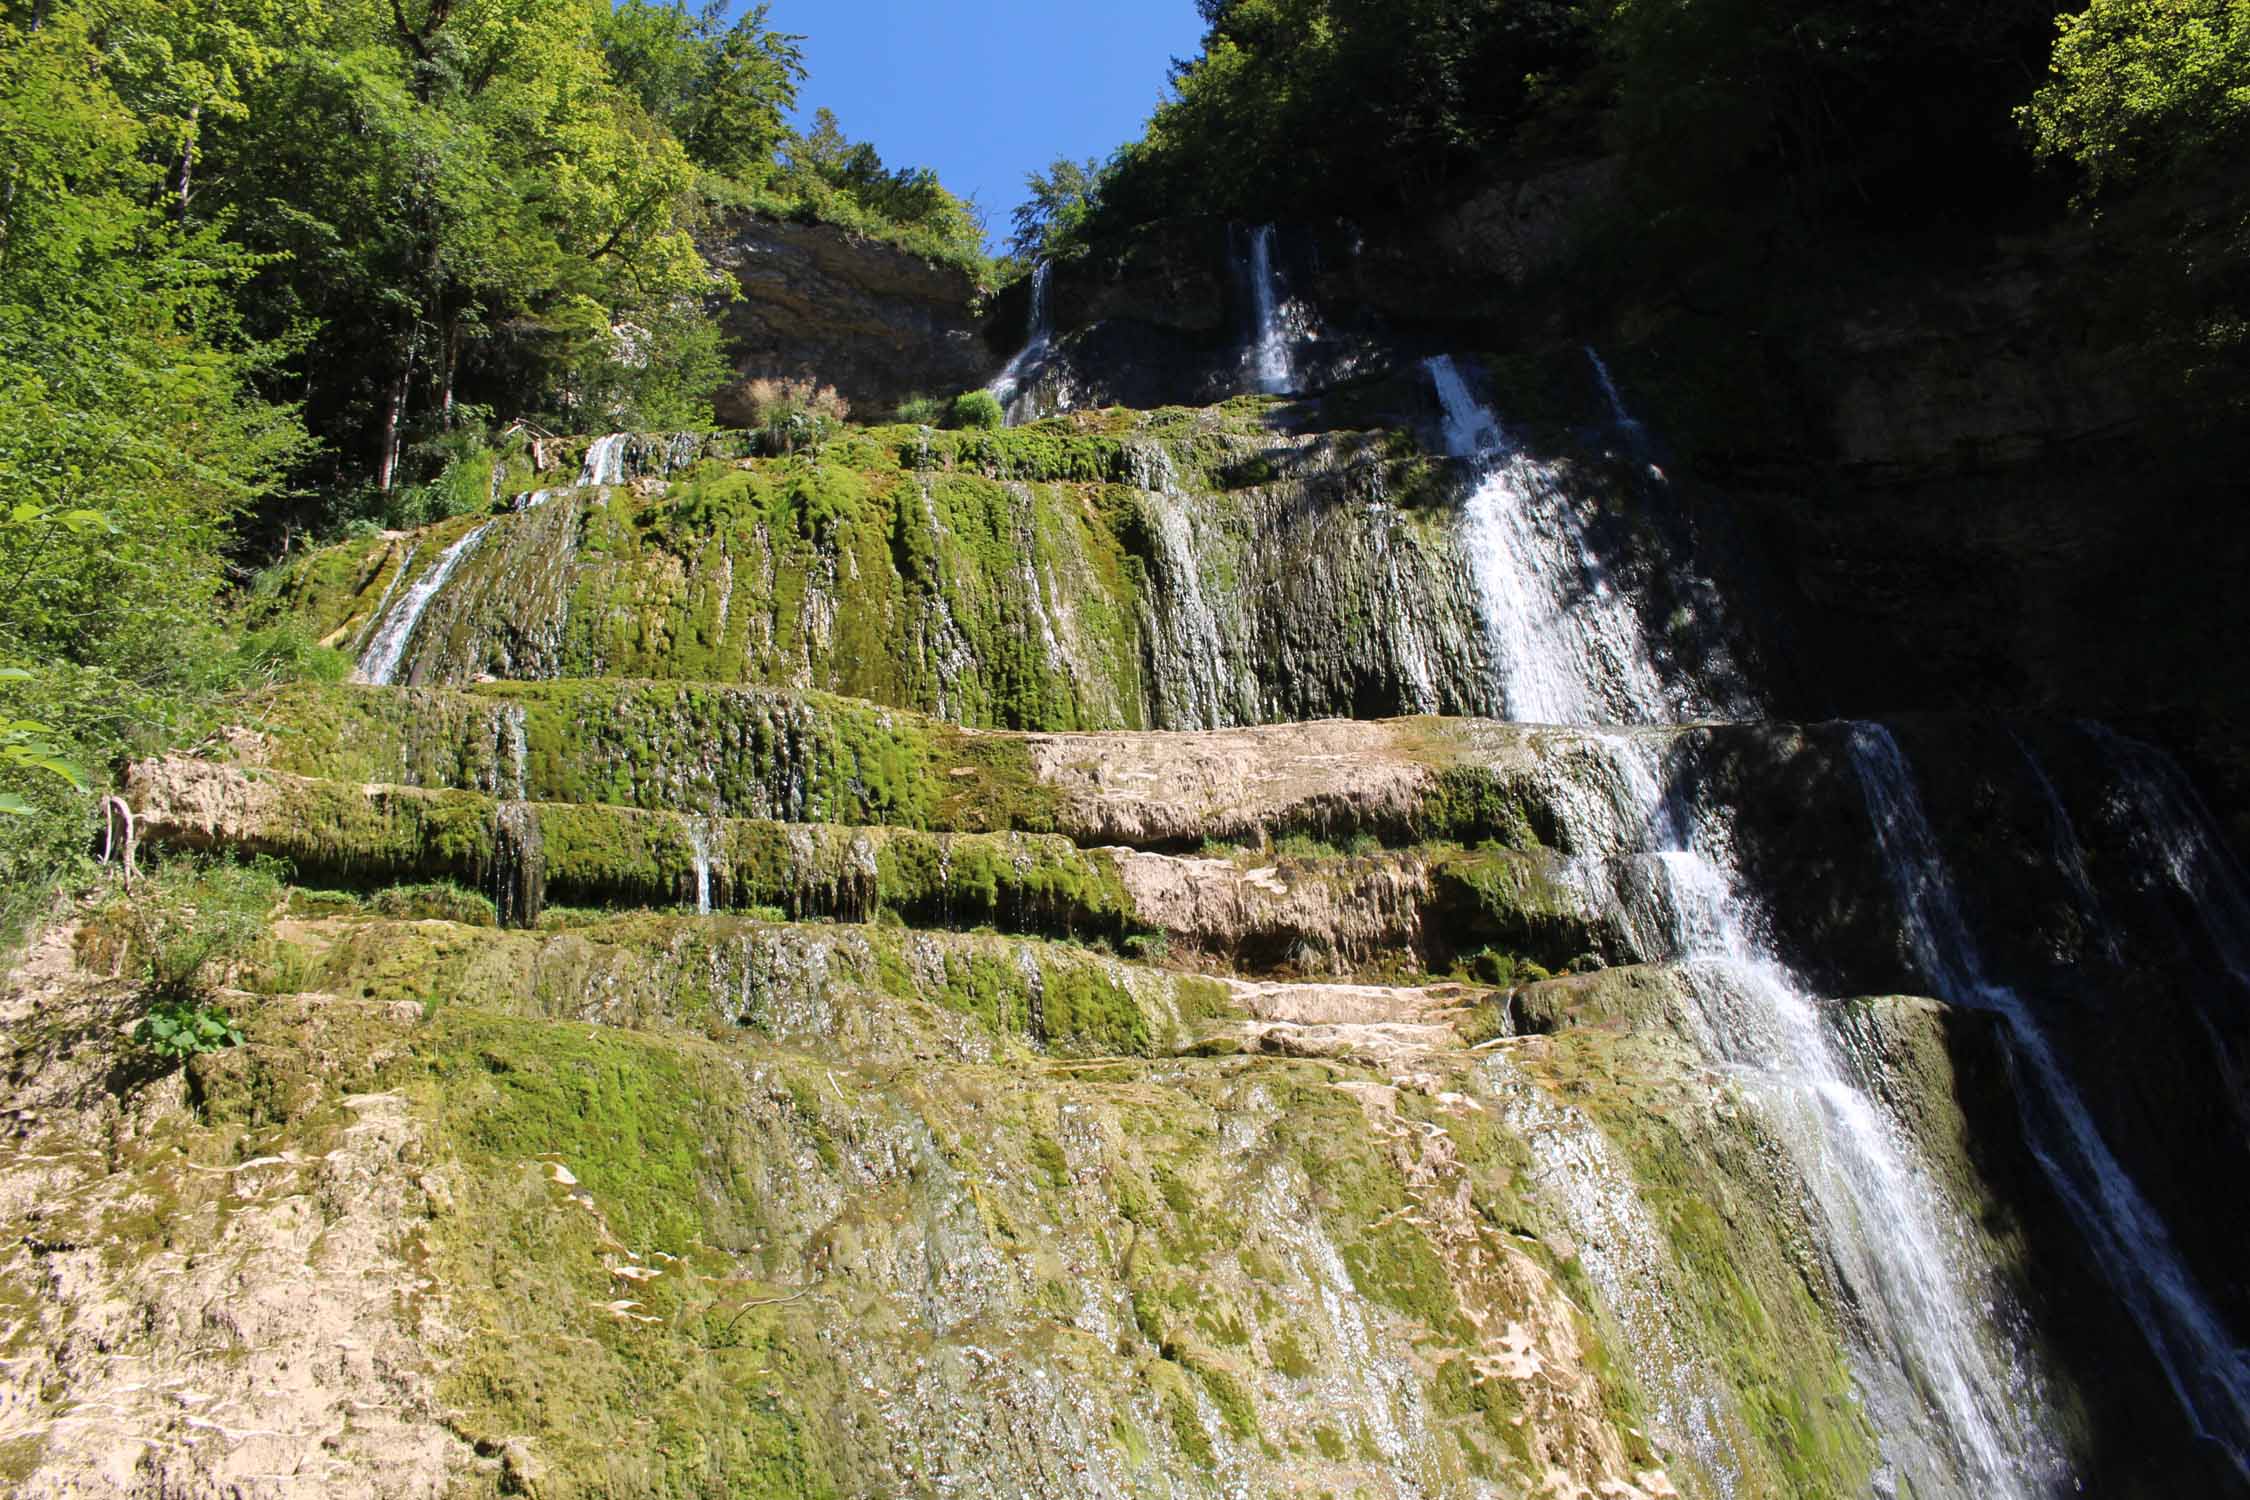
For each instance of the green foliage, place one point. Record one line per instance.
(177, 1030)
(724, 90)
(924, 411)
(978, 410)
(1051, 223)
(2148, 103)
(436, 901)
(826, 177)
(1299, 107)
(2145, 88)
(189, 921)
(129, 435)
(25, 745)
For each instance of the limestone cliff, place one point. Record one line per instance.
(818, 302)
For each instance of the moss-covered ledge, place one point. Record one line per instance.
(369, 834)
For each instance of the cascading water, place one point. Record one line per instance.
(1569, 645)
(605, 461)
(1008, 388)
(2070, 859)
(1955, 1411)
(699, 844)
(2207, 1371)
(390, 591)
(388, 646)
(1270, 353)
(1623, 420)
(2176, 835)
(517, 721)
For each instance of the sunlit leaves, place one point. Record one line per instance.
(2143, 86)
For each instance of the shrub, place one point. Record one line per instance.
(978, 409)
(924, 411)
(792, 414)
(439, 901)
(1148, 947)
(1493, 967)
(189, 923)
(287, 652)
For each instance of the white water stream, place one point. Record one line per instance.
(2208, 1372)
(1271, 361)
(379, 662)
(1569, 646)
(1008, 387)
(1956, 1411)
(605, 461)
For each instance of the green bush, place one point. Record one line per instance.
(287, 652)
(924, 411)
(439, 901)
(978, 409)
(188, 923)
(1493, 967)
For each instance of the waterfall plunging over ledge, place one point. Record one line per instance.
(1547, 1103)
(1011, 388)
(394, 629)
(2208, 1371)
(1958, 1406)
(1271, 364)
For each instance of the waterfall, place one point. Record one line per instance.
(699, 842)
(388, 646)
(1624, 421)
(390, 591)
(519, 750)
(2069, 854)
(1569, 642)
(1008, 387)
(1270, 353)
(2207, 1371)
(2175, 834)
(605, 460)
(1951, 1405)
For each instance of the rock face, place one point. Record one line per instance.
(1941, 492)
(1026, 963)
(1183, 571)
(877, 322)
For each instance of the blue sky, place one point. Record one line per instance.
(988, 90)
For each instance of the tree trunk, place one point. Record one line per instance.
(394, 418)
(452, 363)
(187, 160)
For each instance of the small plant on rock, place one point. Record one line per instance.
(923, 411)
(178, 1031)
(188, 925)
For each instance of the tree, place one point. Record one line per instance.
(1052, 219)
(2146, 88)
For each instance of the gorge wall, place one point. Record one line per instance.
(1321, 939)
(1937, 474)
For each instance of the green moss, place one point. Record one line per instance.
(1749, 1284)
(1180, 1415)
(1515, 900)
(1237, 1411)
